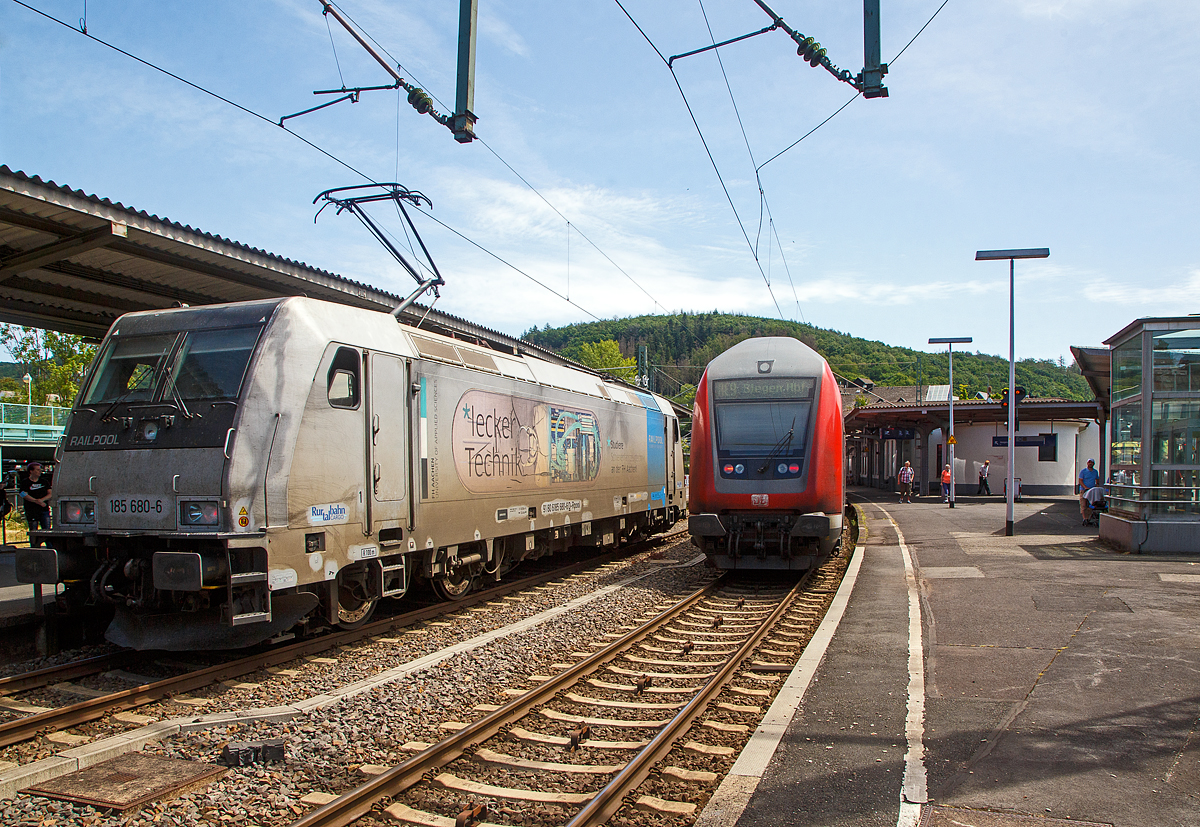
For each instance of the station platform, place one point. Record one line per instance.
(1045, 681)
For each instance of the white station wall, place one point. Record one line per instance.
(1077, 443)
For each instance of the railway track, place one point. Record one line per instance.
(63, 717)
(651, 711)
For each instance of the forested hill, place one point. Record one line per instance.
(681, 345)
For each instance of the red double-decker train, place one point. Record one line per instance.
(767, 482)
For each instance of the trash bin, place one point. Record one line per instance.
(1017, 486)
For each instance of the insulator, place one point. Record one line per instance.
(804, 45)
(817, 57)
(420, 101)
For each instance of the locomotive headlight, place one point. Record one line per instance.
(77, 511)
(148, 430)
(739, 469)
(782, 468)
(198, 513)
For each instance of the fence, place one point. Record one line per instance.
(1136, 500)
(31, 423)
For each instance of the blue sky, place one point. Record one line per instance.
(1069, 124)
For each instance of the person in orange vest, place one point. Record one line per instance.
(947, 478)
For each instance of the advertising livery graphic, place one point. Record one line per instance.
(505, 443)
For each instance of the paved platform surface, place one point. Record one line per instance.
(1061, 681)
(16, 599)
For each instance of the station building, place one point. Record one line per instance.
(1055, 439)
(1150, 373)
(1142, 427)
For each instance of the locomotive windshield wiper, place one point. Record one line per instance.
(115, 403)
(175, 396)
(782, 445)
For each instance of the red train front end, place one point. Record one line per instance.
(767, 486)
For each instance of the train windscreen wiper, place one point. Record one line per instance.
(782, 445)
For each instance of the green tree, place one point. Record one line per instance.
(55, 361)
(681, 344)
(604, 355)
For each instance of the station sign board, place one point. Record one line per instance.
(1022, 441)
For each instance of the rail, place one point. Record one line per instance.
(52, 720)
(357, 802)
(597, 807)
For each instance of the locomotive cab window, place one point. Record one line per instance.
(210, 364)
(196, 365)
(129, 369)
(343, 387)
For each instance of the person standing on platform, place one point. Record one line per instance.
(1089, 478)
(947, 478)
(984, 488)
(34, 493)
(906, 478)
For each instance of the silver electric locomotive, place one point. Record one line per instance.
(232, 470)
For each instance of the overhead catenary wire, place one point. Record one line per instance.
(763, 204)
(762, 195)
(483, 249)
(307, 142)
(507, 165)
(201, 89)
(838, 111)
(708, 151)
(332, 45)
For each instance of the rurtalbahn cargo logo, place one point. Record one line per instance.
(507, 443)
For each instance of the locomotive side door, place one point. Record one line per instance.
(389, 438)
(671, 432)
(326, 484)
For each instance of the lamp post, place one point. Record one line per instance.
(950, 343)
(1011, 255)
(28, 380)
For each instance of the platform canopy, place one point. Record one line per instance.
(933, 415)
(1094, 363)
(74, 262)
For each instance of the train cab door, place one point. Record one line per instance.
(671, 428)
(326, 487)
(389, 438)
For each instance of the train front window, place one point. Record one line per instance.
(756, 429)
(129, 369)
(211, 364)
(767, 416)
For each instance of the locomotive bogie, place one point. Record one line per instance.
(337, 456)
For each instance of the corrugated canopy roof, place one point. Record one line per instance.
(1095, 365)
(74, 262)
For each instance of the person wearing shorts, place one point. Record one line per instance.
(905, 478)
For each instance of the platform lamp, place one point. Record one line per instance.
(950, 343)
(28, 380)
(1011, 255)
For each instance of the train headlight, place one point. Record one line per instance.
(782, 468)
(148, 430)
(739, 469)
(199, 513)
(78, 511)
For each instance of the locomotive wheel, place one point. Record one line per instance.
(455, 586)
(354, 607)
